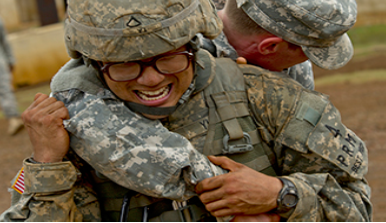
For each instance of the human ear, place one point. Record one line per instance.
(270, 45)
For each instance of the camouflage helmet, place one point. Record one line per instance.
(127, 30)
(319, 27)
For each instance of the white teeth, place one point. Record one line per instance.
(149, 95)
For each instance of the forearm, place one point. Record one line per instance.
(155, 170)
(49, 195)
(322, 198)
(134, 152)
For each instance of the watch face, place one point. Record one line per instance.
(290, 200)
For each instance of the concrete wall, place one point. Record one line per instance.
(371, 12)
(39, 52)
(22, 14)
(9, 13)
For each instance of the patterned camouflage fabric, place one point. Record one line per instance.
(318, 26)
(7, 97)
(325, 160)
(63, 199)
(219, 4)
(220, 47)
(137, 29)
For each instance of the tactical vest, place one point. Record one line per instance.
(217, 121)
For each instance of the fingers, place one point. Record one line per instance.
(209, 184)
(221, 208)
(225, 163)
(46, 104)
(62, 112)
(241, 60)
(211, 195)
(216, 182)
(264, 217)
(43, 105)
(273, 217)
(222, 212)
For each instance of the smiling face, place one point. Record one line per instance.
(152, 88)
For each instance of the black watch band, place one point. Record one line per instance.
(288, 197)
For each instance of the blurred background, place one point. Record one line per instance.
(358, 90)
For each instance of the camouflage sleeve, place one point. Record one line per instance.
(135, 152)
(52, 194)
(303, 74)
(5, 45)
(219, 4)
(325, 160)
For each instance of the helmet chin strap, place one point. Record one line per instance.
(161, 111)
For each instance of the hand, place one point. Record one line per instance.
(241, 60)
(242, 191)
(43, 120)
(265, 217)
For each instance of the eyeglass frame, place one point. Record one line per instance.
(152, 63)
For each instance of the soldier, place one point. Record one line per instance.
(7, 97)
(280, 36)
(261, 119)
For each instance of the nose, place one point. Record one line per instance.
(150, 77)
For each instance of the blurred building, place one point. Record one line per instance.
(22, 14)
(371, 12)
(35, 30)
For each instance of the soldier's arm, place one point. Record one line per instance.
(6, 46)
(134, 152)
(51, 193)
(325, 160)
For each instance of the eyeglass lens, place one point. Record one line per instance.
(169, 64)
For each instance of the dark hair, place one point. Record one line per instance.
(240, 20)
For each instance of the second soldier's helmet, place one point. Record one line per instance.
(127, 30)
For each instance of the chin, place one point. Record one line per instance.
(154, 116)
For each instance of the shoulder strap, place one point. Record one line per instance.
(233, 130)
(226, 97)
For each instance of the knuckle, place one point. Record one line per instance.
(25, 115)
(59, 103)
(47, 120)
(230, 179)
(203, 198)
(230, 190)
(209, 208)
(51, 99)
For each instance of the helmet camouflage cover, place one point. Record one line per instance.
(127, 30)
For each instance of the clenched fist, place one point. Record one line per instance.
(43, 120)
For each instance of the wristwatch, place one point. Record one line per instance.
(288, 197)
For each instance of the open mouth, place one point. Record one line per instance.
(154, 95)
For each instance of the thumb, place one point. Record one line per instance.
(241, 60)
(225, 162)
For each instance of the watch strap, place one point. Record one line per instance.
(284, 209)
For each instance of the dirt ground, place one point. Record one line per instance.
(362, 107)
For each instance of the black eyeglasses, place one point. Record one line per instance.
(165, 64)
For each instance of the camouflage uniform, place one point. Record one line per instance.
(324, 159)
(311, 147)
(219, 4)
(7, 97)
(220, 47)
(319, 27)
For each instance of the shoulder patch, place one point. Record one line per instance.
(18, 185)
(335, 142)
